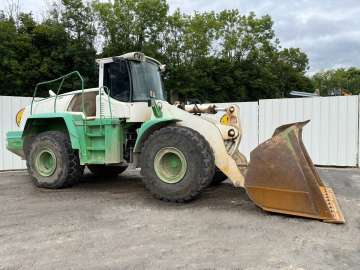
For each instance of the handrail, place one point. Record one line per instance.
(62, 78)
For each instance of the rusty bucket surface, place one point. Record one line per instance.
(282, 178)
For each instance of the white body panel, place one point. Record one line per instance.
(133, 112)
(47, 105)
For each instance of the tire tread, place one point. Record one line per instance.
(207, 171)
(75, 170)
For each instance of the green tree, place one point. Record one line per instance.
(212, 56)
(10, 68)
(335, 80)
(78, 20)
(228, 56)
(131, 25)
(243, 37)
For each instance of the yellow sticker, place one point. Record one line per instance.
(224, 119)
(19, 116)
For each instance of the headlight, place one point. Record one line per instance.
(19, 116)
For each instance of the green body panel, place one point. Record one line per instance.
(66, 122)
(104, 139)
(99, 140)
(15, 142)
(150, 126)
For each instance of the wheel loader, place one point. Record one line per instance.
(180, 149)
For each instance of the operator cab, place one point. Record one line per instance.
(129, 80)
(132, 77)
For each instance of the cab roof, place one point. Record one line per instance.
(133, 56)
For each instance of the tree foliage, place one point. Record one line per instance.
(129, 25)
(37, 51)
(212, 56)
(335, 80)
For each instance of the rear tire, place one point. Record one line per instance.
(51, 161)
(177, 164)
(103, 170)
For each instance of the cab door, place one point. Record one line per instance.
(115, 84)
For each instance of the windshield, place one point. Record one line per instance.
(146, 78)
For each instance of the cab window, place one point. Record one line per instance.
(146, 78)
(116, 78)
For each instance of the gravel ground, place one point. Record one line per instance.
(116, 224)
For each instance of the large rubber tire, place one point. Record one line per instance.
(51, 161)
(192, 150)
(103, 170)
(219, 177)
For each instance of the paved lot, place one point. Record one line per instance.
(116, 224)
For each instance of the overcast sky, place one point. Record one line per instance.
(327, 30)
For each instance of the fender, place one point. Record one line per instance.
(66, 122)
(70, 123)
(149, 127)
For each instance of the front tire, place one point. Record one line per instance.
(177, 164)
(51, 161)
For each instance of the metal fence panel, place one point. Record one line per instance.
(9, 106)
(332, 135)
(250, 126)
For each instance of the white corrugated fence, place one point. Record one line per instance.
(332, 136)
(9, 106)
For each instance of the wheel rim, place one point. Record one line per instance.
(45, 162)
(170, 165)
